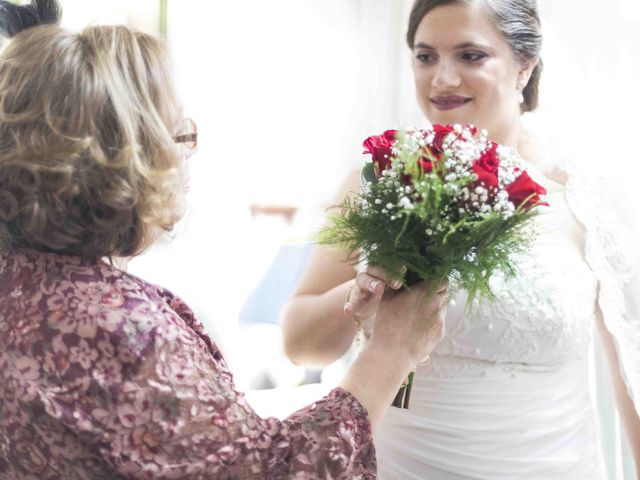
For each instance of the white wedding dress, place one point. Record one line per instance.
(506, 394)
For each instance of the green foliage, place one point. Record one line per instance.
(436, 237)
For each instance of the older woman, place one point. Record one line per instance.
(103, 375)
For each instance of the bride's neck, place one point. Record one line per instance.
(528, 148)
(518, 138)
(514, 135)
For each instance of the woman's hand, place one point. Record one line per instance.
(414, 318)
(411, 320)
(365, 295)
(406, 326)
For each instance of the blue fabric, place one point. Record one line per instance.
(264, 303)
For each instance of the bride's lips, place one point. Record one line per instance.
(449, 102)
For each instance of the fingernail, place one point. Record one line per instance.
(347, 308)
(396, 284)
(373, 286)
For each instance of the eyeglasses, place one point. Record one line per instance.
(188, 134)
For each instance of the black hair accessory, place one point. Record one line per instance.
(17, 18)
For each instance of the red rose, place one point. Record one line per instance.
(426, 164)
(486, 178)
(440, 131)
(489, 159)
(379, 146)
(423, 165)
(525, 192)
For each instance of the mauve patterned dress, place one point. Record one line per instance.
(105, 376)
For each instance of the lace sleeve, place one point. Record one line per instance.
(613, 253)
(120, 382)
(176, 414)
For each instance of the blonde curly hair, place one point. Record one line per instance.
(88, 163)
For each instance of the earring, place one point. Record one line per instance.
(520, 87)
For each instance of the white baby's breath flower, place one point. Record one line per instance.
(406, 203)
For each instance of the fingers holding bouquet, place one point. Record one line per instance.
(413, 318)
(410, 321)
(375, 285)
(364, 296)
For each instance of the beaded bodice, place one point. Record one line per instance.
(541, 319)
(505, 394)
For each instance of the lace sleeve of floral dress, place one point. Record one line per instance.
(116, 378)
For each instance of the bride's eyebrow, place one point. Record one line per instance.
(423, 46)
(460, 46)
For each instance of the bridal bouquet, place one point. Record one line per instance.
(439, 203)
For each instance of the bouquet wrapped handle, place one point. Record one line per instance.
(401, 399)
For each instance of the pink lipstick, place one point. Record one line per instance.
(449, 102)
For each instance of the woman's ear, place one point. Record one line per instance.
(524, 74)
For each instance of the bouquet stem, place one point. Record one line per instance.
(404, 393)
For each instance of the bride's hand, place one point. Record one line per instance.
(365, 295)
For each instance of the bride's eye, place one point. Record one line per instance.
(472, 56)
(425, 57)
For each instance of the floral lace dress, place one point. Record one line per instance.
(104, 376)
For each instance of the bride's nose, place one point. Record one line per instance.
(445, 75)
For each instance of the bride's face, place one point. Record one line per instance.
(465, 71)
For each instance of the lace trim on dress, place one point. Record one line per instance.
(611, 250)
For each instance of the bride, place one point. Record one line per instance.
(505, 395)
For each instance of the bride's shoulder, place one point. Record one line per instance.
(561, 151)
(547, 156)
(590, 175)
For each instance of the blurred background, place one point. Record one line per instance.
(284, 92)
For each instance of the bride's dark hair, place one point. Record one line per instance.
(517, 20)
